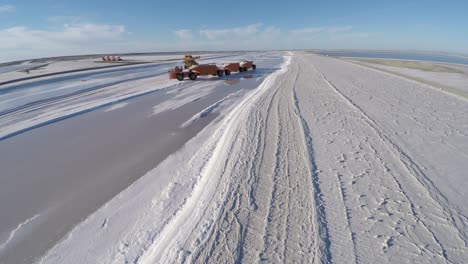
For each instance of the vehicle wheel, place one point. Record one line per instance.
(241, 69)
(180, 76)
(227, 72)
(254, 67)
(245, 69)
(192, 76)
(219, 73)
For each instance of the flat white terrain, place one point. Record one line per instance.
(52, 66)
(71, 142)
(457, 80)
(325, 161)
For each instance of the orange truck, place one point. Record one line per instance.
(238, 67)
(231, 67)
(246, 65)
(195, 71)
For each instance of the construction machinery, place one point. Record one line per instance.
(190, 61)
(238, 67)
(193, 72)
(231, 67)
(246, 65)
(191, 69)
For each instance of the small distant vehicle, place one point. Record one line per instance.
(238, 67)
(112, 58)
(194, 71)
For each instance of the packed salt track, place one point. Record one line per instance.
(325, 162)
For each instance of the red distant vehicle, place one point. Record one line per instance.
(246, 65)
(208, 69)
(112, 58)
(195, 71)
(232, 67)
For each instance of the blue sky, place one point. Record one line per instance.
(31, 29)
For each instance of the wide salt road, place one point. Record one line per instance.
(317, 165)
(323, 173)
(311, 175)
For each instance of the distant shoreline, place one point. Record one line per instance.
(435, 53)
(68, 71)
(416, 56)
(93, 56)
(90, 56)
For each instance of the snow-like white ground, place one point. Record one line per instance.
(325, 162)
(8, 73)
(18, 67)
(455, 80)
(18, 71)
(416, 119)
(33, 103)
(86, 136)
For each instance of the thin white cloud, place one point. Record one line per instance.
(270, 33)
(339, 29)
(318, 30)
(22, 42)
(238, 32)
(309, 30)
(184, 34)
(69, 34)
(259, 36)
(327, 37)
(357, 35)
(7, 8)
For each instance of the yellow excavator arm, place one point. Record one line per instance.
(190, 60)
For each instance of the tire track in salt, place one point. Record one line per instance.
(268, 213)
(318, 201)
(308, 136)
(413, 169)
